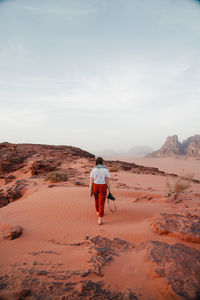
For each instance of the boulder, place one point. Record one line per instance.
(9, 231)
(15, 232)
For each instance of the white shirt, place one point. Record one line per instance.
(99, 174)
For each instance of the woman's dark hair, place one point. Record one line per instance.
(99, 161)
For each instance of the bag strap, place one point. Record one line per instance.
(115, 208)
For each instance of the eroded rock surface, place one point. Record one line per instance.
(44, 281)
(104, 250)
(191, 146)
(15, 156)
(9, 178)
(41, 167)
(13, 193)
(36, 288)
(17, 190)
(186, 228)
(179, 265)
(11, 159)
(4, 200)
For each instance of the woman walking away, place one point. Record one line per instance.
(99, 182)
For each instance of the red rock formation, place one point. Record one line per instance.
(14, 156)
(126, 166)
(179, 265)
(41, 167)
(191, 146)
(172, 147)
(13, 193)
(186, 228)
(9, 178)
(4, 200)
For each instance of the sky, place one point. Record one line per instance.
(99, 74)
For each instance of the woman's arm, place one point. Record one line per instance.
(91, 186)
(108, 184)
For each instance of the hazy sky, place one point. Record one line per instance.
(99, 74)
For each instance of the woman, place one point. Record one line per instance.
(99, 182)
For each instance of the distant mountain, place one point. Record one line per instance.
(134, 151)
(107, 152)
(139, 151)
(190, 147)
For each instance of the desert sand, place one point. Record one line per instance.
(64, 254)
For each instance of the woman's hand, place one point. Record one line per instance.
(91, 193)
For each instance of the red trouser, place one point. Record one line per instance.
(100, 191)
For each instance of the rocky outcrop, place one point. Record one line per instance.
(10, 158)
(179, 265)
(176, 264)
(186, 228)
(41, 167)
(37, 288)
(17, 190)
(138, 169)
(104, 250)
(14, 156)
(191, 146)
(4, 200)
(172, 147)
(51, 283)
(13, 193)
(9, 178)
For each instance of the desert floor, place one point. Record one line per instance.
(56, 255)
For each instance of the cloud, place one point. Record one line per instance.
(65, 9)
(127, 70)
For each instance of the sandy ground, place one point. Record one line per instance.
(54, 218)
(180, 166)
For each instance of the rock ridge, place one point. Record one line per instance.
(15, 156)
